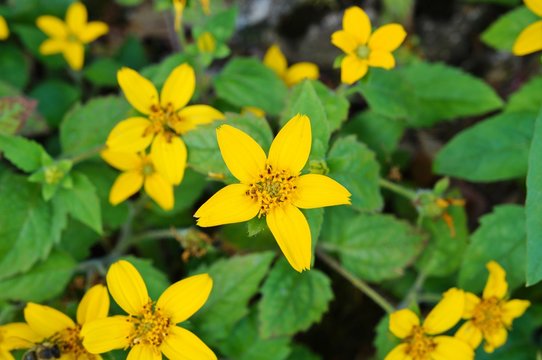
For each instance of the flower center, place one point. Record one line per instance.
(488, 315)
(151, 326)
(363, 51)
(163, 119)
(273, 188)
(420, 346)
(53, 174)
(69, 341)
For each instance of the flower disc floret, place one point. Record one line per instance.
(150, 327)
(273, 188)
(420, 345)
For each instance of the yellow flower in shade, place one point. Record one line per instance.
(364, 49)
(70, 37)
(206, 43)
(530, 39)
(275, 60)
(138, 171)
(54, 327)
(272, 187)
(490, 317)
(15, 336)
(150, 328)
(4, 30)
(178, 8)
(167, 117)
(420, 340)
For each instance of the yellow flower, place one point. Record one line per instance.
(15, 336)
(56, 328)
(138, 171)
(364, 49)
(256, 111)
(206, 43)
(272, 187)
(490, 316)
(178, 7)
(206, 6)
(69, 37)
(4, 30)
(150, 328)
(419, 340)
(167, 117)
(275, 60)
(530, 39)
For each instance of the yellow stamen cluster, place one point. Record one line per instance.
(163, 119)
(420, 346)
(487, 315)
(151, 326)
(273, 188)
(363, 52)
(69, 342)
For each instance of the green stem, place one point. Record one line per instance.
(358, 283)
(398, 189)
(412, 295)
(87, 154)
(161, 234)
(125, 239)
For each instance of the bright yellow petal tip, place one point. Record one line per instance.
(446, 313)
(496, 285)
(139, 91)
(291, 147)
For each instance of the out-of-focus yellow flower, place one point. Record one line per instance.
(206, 6)
(51, 326)
(275, 60)
(420, 341)
(206, 43)
(150, 328)
(15, 336)
(491, 316)
(178, 8)
(138, 171)
(253, 110)
(69, 37)
(167, 117)
(530, 39)
(4, 29)
(364, 49)
(272, 186)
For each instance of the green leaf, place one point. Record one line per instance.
(373, 247)
(26, 227)
(235, 282)
(304, 100)
(335, 106)
(129, 2)
(82, 202)
(77, 240)
(424, 94)
(499, 2)
(221, 24)
(86, 127)
(354, 166)
(23, 153)
(527, 97)
(492, 150)
(292, 301)
(155, 279)
(14, 66)
(533, 207)
(247, 82)
(132, 53)
(102, 72)
(44, 281)
(501, 237)
(158, 73)
(32, 38)
(300, 352)
(55, 98)
(502, 34)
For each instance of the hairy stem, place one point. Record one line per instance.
(398, 189)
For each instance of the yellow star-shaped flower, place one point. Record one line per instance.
(276, 61)
(530, 39)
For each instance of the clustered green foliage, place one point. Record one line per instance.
(58, 232)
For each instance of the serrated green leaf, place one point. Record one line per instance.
(77, 240)
(501, 237)
(155, 280)
(527, 97)
(54, 98)
(292, 301)
(354, 166)
(373, 247)
(300, 352)
(158, 73)
(495, 149)
(256, 225)
(14, 66)
(23, 153)
(102, 72)
(502, 34)
(335, 106)
(315, 218)
(44, 281)
(247, 82)
(221, 24)
(424, 94)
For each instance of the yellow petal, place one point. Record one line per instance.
(471, 301)
(103, 335)
(179, 87)
(383, 59)
(130, 135)
(76, 17)
(160, 190)
(496, 285)
(243, 156)
(495, 339)
(168, 154)
(450, 348)
(74, 53)
(45, 320)
(206, 43)
(181, 344)
(535, 6)
(314, 191)
(291, 230)
(446, 313)
(469, 334)
(124, 161)
(139, 91)
(127, 287)
(357, 23)
(52, 46)
(402, 321)
(194, 115)
(92, 31)
(344, 41)
(52, 26)
(5, 355)
(144, 352)
(18, 336)
(387, 38)
(513, 309)
(229, 205)
(94, 305)
(399, 353)
(253, 110)
(292, 145)
(301, 71)
(353, 69)
(182, 299)
(4, 30)
(126, 185)
(529, 40)
(275, 60)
